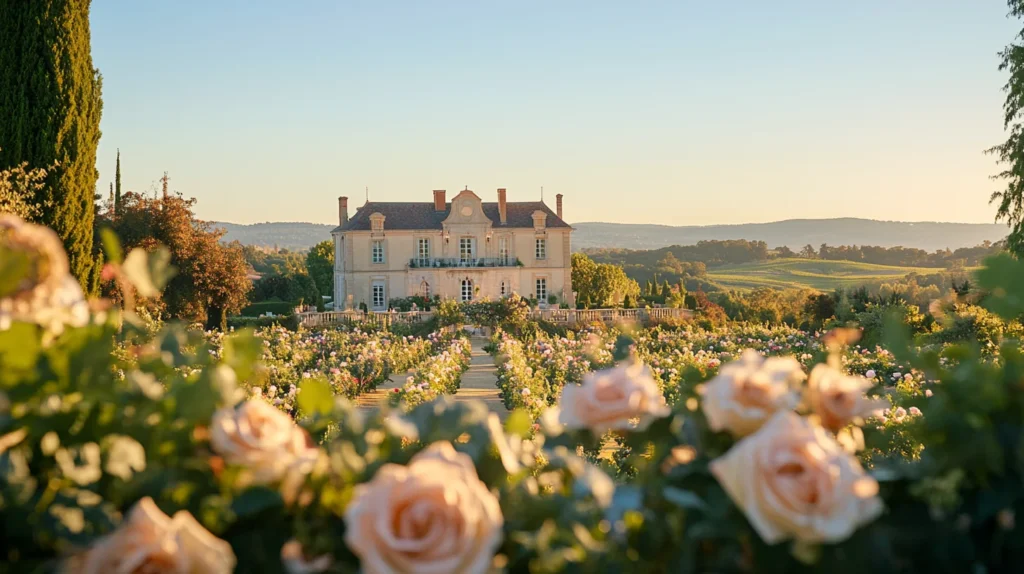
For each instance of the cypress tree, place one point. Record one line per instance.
(117, 185)
(50, 113)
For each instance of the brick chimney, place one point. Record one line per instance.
(502, 207)
(438, 200)
(558, 205)
(342, 210)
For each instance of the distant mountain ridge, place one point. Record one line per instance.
(294, 236)
(794, 233)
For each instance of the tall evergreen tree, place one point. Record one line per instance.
(50, 113)
(117, 185)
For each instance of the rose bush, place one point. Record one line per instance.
(439, 375)
(155, 459)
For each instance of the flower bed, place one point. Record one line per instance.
(353, 361)
(440, 374)
(531, 374)
(154, 460)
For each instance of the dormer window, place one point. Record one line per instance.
(540, 219)
(377, 222)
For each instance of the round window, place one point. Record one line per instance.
(467, 211)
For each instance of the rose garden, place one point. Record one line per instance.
(128, 445)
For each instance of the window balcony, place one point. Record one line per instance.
(448, 262)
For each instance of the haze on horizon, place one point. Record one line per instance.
(676, 113)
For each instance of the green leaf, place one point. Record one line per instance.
(315, 397)
(518, 423)
(14, 267)
(622, 345)
(197, 401)
(255, 501)
(149, 272)
(242, 350)
(1003, 277)
(19, 350)
(111, 246)
(136, 269)
(683, 498)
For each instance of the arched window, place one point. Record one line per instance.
(467, 290)
(425, 289)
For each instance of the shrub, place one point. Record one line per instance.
(873, 320)
(449, 313)
(404, 304)
(290, 322)
(970, 323)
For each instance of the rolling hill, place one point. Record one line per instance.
(794, 233)
(813, 273)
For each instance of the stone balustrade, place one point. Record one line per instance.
(559, 316)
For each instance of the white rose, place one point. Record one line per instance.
(748, 391)
(262, 439)
(838, 399)
(433, 516)
(793, 480)
(150, 541)
(608, 399)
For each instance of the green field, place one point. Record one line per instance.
(815, 274)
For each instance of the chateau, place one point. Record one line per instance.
(464, 249)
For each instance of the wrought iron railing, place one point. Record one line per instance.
(445, 262)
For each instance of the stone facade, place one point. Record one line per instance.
(465, 249)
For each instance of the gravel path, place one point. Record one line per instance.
(479, 382)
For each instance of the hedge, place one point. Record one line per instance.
(275, 307)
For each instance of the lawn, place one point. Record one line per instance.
(812, 273)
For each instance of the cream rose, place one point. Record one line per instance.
(793, 480)
(747, 392)
(47, 294)
(608, 399)
(433, 516)
(838, 399)
(264, 440)
(150, 541)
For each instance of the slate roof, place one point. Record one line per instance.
(421, 215)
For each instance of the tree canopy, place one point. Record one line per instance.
(1010, 154)
(600, 285)
(212, 278)
(320, 265)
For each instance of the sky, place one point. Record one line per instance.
(684, 112)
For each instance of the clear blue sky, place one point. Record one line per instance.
(678, 112)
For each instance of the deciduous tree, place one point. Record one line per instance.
(320, 265)
(212, 278)
(1010, 153)
(600, 284)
